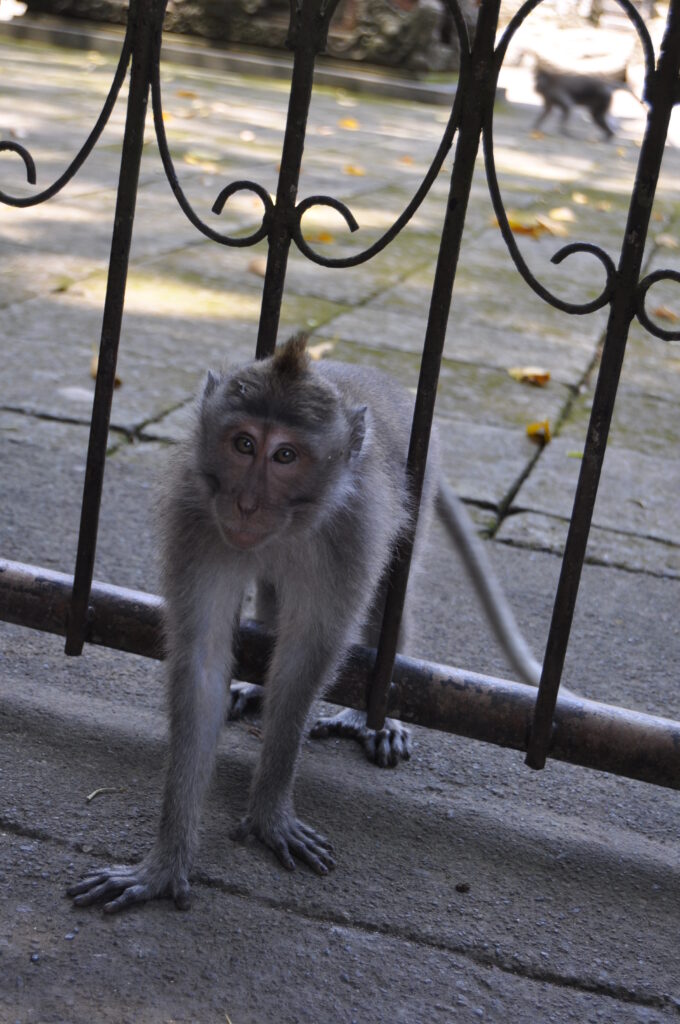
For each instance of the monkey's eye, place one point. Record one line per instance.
(285, 455)
(244, 444)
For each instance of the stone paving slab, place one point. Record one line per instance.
(571, 911)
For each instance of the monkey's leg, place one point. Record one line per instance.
(547, 107)
(385, 747)
(297, 672)
(599, 115)
(197, 703)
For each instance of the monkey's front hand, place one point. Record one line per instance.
(124, 886)
(288, 837)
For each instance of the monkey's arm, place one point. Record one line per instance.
(493, 599)
(198, 662)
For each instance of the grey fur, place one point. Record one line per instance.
(327, 525)
(565, 91)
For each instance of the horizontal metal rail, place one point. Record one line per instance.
(584, 732)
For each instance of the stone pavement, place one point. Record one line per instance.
(468, 888)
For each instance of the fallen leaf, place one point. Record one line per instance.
(553, 227)
(530, 375)
(667, 241)
(324, 237)
(539, 432)
(620, 151)
(604, 205)
(350, 124)
(318, 351)
(574, 455)
(406, 159)
(524, 224)
(94, 366)
(536, 135)
(205, 163)
(664, 313)
(580, 198)
(167, 116)
(98, 792)
(562, 213)
(354, 170)
(187, 94)
(258, 266)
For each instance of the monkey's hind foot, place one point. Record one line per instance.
(386, 747)
(244, 699)
(122, 887)
(289, 838)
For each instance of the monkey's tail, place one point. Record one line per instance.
(495, 603)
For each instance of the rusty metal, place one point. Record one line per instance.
(508, 714)
(480, 707)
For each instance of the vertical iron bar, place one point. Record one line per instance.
(478, 82)
(147, 17)
(305, 39)
(622, 311)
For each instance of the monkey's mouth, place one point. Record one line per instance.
(242, 539)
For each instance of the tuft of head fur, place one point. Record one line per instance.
(291, 359)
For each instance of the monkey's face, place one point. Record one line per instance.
(264, 478)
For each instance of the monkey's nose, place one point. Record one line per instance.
(247, 504)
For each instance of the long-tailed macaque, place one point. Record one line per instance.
(565, 91)
(294, 476)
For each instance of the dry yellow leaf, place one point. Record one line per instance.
(406, 159)
(562, 213)
(664, 313)
(536, 135)
(580, 198)
(325, 237)
(319, 350)
(530, 375)
(167, 116)
(258, 265)
(349, 123)
(553, 227)
(524, 224)
(354, 170)
(94, 366)
(667, 241)
(195, 160)
(539, 431)
(187, 94)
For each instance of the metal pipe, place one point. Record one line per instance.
(586, 733)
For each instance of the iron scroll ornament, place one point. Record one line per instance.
(86, 148)
(494, 190)
(301, 208)
(297, 37)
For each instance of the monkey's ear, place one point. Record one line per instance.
(357, 429)
(211, 382)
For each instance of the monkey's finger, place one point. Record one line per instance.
(321, 729)
(400, 740)
(280, 848)
(315, 837)
(311, 855)
(133, 894)
(110, 887)
(87, 883)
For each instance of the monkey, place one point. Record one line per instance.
(564, 90)
(294, 475)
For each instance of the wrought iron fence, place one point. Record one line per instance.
(510, 714)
